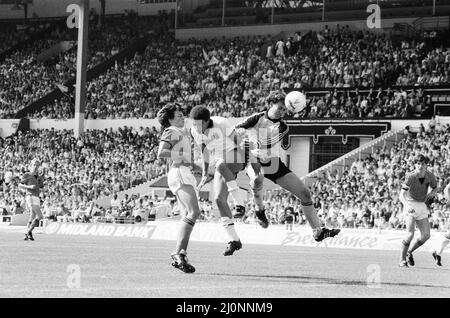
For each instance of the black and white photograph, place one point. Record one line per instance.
(225, 156)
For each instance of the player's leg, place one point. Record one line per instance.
(410, 229)
(35, 217)
(256, 184)
(294, 185)
(424, 228)
(187, 197)
(221, 197)
(28, 207)
(441, 247)
(229, 168)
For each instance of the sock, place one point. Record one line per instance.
(228, 224)
(311, 216)
(236, 195)
(184, 234)
(443, 245)
(418, 243)
(404, 250)
(317, 231)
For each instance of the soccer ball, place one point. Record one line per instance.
(295, 101)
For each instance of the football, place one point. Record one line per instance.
(295, 101)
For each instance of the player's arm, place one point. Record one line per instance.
(447, 190)
(23, 184)
(41, 181)
(250, 122)
(405, 188)
(246, 130)
(274, 139)
(166, 147)
(248, 138)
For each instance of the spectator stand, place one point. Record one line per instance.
(236, 84)
(96, 71)
(400, 102)
(34, 31)
(142, 189)
(68, 87)
(385, 141)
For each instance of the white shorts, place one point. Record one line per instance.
(34, 206)
(179, 176)
(416, 209)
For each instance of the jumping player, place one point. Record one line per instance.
(446, 238)
(176, 147)
(265, 130)
(31, 182)
(220, 146)
(413, 195)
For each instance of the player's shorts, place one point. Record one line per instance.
(33, 204)
(179, 176)
(274, 169)
(235, 160)
(416, 209)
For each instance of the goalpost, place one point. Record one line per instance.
(81, 16)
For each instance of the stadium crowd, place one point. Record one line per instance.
(232, 77)
(78, 171)
(25, 77)
(12, 34)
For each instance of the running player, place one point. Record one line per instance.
(413, 195)
(265, 130)
(176, 147)
(446, 238)
(220, 146)
(31, 182)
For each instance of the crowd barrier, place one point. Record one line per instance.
(371, 239)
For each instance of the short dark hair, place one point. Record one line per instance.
(276, 97)
(200, 113)
(167, 113)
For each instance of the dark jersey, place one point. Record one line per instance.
(418, 187)
(34, 180)
(267, 133)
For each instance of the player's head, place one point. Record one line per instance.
(170, 115)
(201, 117)
(421, 162)
(277, 108)
(34, 165)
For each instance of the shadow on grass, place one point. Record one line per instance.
(323, 280)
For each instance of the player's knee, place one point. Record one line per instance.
(425, 237)
(305, 196)
(409, 237)
(257, 185)
(193, 213)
